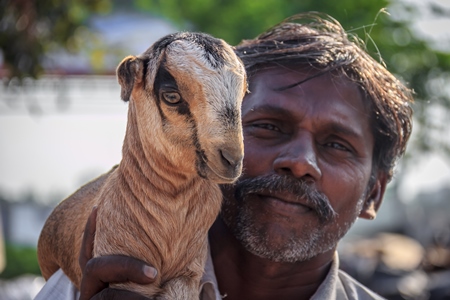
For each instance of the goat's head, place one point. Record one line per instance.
(187, 90)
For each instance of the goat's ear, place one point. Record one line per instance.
(129, 72)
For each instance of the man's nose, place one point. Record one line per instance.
(298, 158)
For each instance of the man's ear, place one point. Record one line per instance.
(374, 197)
(129, 72)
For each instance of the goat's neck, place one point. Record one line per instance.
(147, 166)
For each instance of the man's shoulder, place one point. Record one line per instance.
(354, 289)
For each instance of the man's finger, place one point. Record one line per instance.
(101, 271)
(87, 244)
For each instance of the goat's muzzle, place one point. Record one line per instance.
(232, 160)
(226, 165)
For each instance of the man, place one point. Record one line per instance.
(324, 125)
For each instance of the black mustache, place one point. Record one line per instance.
(274, 183)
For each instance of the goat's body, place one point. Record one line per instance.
(159, 202)
(176, 234)
(65, 227)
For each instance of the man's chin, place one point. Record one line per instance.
(274, 243)
(292, 252)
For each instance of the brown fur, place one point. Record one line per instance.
(154, 205)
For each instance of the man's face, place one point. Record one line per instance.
(308, 160)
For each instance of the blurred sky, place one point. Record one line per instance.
(59, 134)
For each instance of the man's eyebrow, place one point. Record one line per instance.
(273, 110)
(344, 130)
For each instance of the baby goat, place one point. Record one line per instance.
(183, 137)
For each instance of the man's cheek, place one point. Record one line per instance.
(256, 164)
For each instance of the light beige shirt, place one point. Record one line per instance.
(338, 285)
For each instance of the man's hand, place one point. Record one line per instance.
(99, 272)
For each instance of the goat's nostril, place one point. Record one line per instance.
(226, 157)
(229, 159)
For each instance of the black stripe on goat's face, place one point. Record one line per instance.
(213, 48)
(230, 115)
(166, 83)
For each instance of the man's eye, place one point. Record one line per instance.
(337, 146)
(266, 126)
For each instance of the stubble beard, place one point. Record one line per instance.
(256, 238)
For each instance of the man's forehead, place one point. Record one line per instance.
(291, 87)
(281, 78)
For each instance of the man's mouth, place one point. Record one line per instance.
(286, 202)
(288, 195)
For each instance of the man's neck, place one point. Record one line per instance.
(243, 275)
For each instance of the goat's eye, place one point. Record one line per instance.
(171, 97)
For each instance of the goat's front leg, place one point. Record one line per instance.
(180, 288)
(187, 285)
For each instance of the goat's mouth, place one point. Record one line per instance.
(221, 167)
(231, 176)
(223, 173)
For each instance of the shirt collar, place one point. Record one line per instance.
(327, 289)
(210, 289)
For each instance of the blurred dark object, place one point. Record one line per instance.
(398, 267)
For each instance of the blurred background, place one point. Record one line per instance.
(62, 121)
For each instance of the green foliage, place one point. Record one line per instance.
(29, 28)
(19, 261)
(234, 20)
